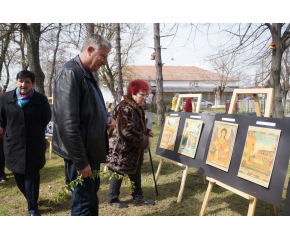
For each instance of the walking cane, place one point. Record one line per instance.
(153, 171)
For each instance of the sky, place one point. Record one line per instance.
(178, 51)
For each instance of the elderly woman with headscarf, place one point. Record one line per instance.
(24, 113)
(188, 105)
(127, 143)
(174, 102)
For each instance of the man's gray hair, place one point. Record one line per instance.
(96, 41)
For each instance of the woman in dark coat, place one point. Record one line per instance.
(127, 143)
(24, 113)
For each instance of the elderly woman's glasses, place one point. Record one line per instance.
(143, 95)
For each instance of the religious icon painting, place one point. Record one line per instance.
(221, 145)
(169, 133)
(190, 137)
(259, 155)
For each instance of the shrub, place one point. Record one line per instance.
(167, 104)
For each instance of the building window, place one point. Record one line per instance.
(195, 84)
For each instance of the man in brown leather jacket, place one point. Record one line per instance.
(81, 122)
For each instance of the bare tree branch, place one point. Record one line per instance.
(286, 33)
(269, 26)
(241, 42)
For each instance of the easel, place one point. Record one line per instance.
(253, 200)
(50, 146)
(184, 175)
(50, 101)
(192, 96)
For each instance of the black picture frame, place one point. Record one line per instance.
(197, 161)
(272, 194)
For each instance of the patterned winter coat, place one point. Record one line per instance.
(128, 139)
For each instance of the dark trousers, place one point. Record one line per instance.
(2, 162)
(85, 199)
(115, 185)
(28, 184)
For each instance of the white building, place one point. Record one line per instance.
(179, 79)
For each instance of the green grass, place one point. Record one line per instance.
(221, 203)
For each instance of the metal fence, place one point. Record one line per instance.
(248, 106)
(286, 107)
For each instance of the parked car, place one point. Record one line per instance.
(252, 98)
(203, 104)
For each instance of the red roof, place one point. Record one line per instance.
(171, 73)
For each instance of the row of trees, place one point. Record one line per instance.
(44, 48)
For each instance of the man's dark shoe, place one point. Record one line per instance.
(35, 214)
(119, 204)
(141, 201)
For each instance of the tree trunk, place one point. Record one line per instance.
(119, 65)
(90, 28)
(5, 43)
(24, 62)
(110, 81)
(32, 34)
(159, 78)
(49, 94)
(7, 77)
(218, 97)
(274, 81)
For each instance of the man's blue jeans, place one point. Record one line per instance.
(85, 199)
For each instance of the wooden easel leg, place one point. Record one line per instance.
(273, 209)
(182, 184)
(158, 171)
(50, 148)
(203, 179)
(206, 198)
(252, 207)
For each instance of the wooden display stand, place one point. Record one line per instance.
(253, 200)
(192, 96)
(50, 100)
(50, 146)
(184, 175)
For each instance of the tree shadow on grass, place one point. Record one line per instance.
(47, 175)
(193, 197)
(240, 205)
(190, 205)
(49, 207)
(167, 167)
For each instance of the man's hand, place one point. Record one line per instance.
(1, 130)
(149, 144)
(111, 123)
(150, 134)
(85, 172)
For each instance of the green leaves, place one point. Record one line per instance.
(95, 174)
